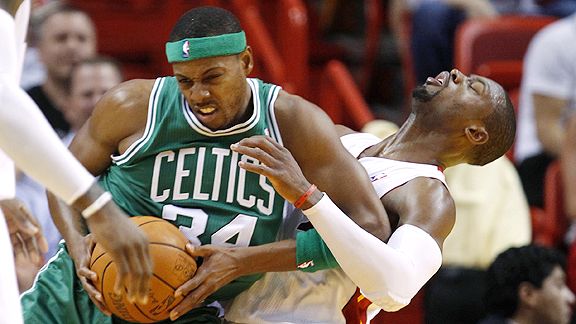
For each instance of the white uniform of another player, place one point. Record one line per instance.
(319, 297)
(25, 136)
(11, 58)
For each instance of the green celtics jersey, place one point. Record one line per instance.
(184, 172)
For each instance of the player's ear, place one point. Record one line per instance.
(527, 294)
(476, 134)
(247, 61)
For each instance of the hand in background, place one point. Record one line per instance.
(25, 231)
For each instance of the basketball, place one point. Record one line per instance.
(172, 267)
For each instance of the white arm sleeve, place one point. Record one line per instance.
(389, 274)
(25, 135)
(27, 138)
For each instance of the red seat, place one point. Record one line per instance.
(135, 31)
(505, 38)
(268, 64)
(341, 98)
(549, 225)
(506, 72)
(404, 50)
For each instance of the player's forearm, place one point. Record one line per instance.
(272, 257)
(36, 149)
(568, 168)
(389, 274)
(68, 221)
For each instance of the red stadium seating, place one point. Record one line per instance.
(135, 31)
(549, 225)
(504, 38)
(341, 98)
(408, 74)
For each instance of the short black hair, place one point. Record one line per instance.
(501, 128)
(204, 22)
(529, 263)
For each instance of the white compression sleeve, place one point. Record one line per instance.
(389, 274)
(29, 140)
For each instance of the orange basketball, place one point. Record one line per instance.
(172, 267)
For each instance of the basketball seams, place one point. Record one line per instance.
(168, 245)
(140, 310)
(156, 220)
(92, 263)
(156, 275)
(174, 268)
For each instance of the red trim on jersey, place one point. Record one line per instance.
(356, 310)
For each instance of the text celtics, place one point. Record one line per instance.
(216, 169)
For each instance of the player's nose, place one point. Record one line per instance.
(457, 76)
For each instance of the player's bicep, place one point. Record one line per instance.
(91, 151)
(324, 161)
(119, 116)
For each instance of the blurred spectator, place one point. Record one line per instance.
(434, 23)
(547, 98)
(492, 215)
(568, 167)
(33, 71)
(63, 35)
(90, 79)
(528, 285)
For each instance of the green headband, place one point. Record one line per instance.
(195, 48)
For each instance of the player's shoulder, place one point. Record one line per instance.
(296, 110)
(125, 103)
(131, 94)
(343, 130)
(288, 102)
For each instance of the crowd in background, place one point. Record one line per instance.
(66, 73)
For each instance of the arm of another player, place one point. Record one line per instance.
(311, 138)
(112, 122)
(25, 232)
(568, 168)
(389, 274)
(310, 132)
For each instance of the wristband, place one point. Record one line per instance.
(298, 203)
(97, 205)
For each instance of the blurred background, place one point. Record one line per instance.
(359, 61)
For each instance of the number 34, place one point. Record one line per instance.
(241, 226)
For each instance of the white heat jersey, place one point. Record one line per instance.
(7, 177)
(386, 174)
(319, 297)
(12, 35)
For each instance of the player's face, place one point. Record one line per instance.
(216, 88)
(65, 39)
(554, 299)
(454, 94)
(88, 84)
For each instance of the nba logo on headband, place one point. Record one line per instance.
(186, 49)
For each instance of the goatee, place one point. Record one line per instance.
(420, 93)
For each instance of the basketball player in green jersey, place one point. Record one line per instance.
(162, 147)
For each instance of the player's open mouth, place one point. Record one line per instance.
(440, 80)
(206, 110)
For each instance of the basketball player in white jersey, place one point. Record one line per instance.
(29, 141)
(455, 119)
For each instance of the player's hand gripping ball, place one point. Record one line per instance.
(173, 266)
